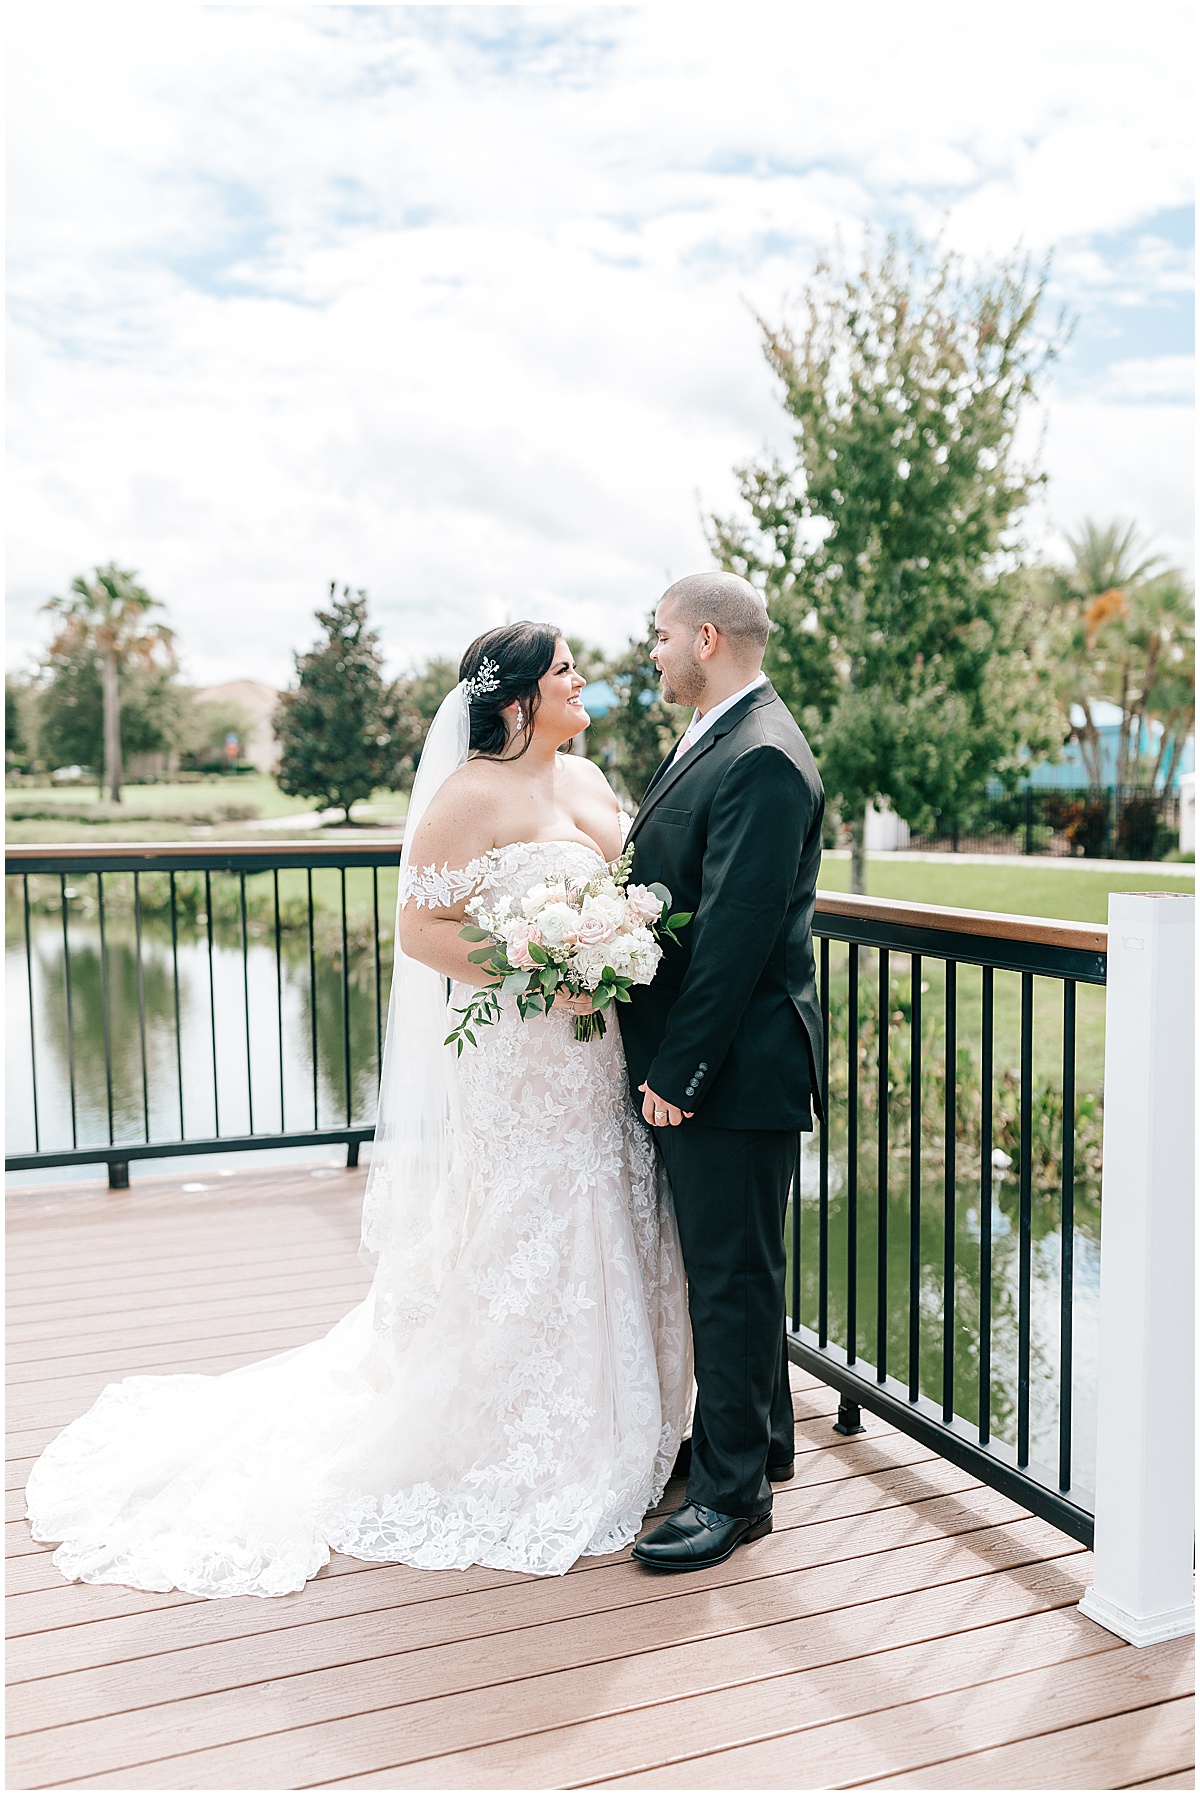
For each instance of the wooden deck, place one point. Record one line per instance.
(903, 1626)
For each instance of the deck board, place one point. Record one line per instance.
(902, 1625)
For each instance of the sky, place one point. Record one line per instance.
(458, 304)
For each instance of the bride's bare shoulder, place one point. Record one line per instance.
(460, 823)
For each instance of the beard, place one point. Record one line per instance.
(684, 684)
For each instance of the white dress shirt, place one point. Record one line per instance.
(699, 724)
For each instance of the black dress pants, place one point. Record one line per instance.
(731, 1190)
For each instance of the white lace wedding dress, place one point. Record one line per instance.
(524, 1408)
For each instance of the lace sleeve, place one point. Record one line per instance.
(430, 889)
(626, 822)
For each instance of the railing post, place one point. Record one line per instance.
(1142, 1580)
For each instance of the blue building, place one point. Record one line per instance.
(1069, 770)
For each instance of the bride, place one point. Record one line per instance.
(514, 1389)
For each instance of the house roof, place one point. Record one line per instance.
(254, 696)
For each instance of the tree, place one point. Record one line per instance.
(1127, 623)
(16, 733)
(340, 727)
(641, 729)
(68, 703)
(886, 547)
(108, 618)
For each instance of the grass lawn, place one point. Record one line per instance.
(1076, 892)
(166, 812)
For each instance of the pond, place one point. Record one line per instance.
(247, 1044)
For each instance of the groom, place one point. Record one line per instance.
(725, 1047)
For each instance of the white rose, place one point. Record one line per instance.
(589, 964)
(537, 897)
(556, 925)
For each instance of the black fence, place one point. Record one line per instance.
(197, 1000)
(192, 1000)
(1118, 823)
(954, 1038)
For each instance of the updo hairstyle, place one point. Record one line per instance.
(521, 653)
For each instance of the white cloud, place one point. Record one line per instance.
(1134, 461)
(457, 304)
(1151, 377)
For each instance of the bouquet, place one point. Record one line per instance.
(566, 939)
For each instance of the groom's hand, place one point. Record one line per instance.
(661, 1114)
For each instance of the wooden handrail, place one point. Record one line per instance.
(1089, 937)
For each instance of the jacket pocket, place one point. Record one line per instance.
(663, 814)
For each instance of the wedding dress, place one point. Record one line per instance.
(514, 1389)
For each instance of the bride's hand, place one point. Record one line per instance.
(578, 1006)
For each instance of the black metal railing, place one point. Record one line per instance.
(929, 1285)
(184, 1000)
(1110, 823)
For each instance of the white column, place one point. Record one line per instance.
(1142, 1581)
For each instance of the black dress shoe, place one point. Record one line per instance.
(694, 1538)
(782, 1473)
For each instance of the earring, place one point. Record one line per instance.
(520, 718)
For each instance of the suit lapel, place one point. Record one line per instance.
(662, 767)
(669, 779)
(669, 775)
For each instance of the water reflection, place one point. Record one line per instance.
(986, 1125)
(228, 1044)
(1045, 1291)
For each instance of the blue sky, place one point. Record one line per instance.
(457, 303)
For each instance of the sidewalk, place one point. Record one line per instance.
(1183, 869)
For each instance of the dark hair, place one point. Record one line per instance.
(521, 653)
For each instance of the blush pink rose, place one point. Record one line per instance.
(643, 903)
(518, 946)
(594, 929)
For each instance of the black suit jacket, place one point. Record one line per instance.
(731, 1026)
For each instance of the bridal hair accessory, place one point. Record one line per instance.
(485, 679)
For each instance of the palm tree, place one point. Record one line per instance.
(109, 614)
(1106, 558)
(1132, 631)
